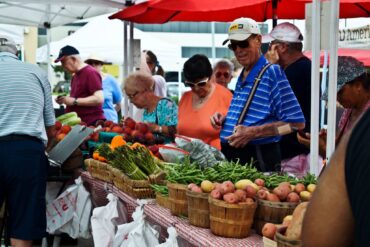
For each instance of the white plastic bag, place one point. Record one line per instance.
(137, 233)
(70, 212)
(171, 241)
(103, 227)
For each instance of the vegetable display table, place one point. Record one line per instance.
(157, 215)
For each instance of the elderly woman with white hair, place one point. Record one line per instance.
(223, 72)
(159, 112)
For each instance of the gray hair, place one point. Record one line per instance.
(224, 63)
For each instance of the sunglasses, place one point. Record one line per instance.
(198, 84)
(242, 44)
(225, 74)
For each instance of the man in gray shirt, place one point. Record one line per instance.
(26, 124)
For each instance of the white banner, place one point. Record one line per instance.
(358, 37)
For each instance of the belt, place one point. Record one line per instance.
(15, 137)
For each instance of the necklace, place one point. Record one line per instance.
(201, 100)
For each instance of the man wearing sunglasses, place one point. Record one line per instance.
(223, 72)
(273, 105)
(286, 50)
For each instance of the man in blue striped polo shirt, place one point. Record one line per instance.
(26, 124)
(273, 105)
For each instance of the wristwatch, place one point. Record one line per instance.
(75, 102)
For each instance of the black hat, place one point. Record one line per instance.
(66, 51)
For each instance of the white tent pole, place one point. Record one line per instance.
(131, 59)
(315, 88)
(125, 67)
(48, 37)
(333, 65)
(213, 42)
(131, 48)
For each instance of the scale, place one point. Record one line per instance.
(60, 153)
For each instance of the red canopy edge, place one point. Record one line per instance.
(359, 54)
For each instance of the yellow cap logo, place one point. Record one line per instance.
(233, 27)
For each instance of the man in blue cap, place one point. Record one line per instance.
(86, 96)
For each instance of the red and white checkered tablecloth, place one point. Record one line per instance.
(156, 214)
(203, 237)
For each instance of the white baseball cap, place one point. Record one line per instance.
(7, 44)
(241, 28)
(285, 32)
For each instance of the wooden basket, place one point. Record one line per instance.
(135, 188)
(162, 200)
(198, 208)
(178, 199)
(271, 212)
(231, 220)
(99, 170)
(283, 241)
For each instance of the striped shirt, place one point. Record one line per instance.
(273, 101)
(25, 98)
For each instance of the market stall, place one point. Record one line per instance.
(190, 235)
(188, 186)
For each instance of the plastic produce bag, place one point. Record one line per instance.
(200, 152)
(102, 222)
(172, 154)
(70, 212)
(137, 233)
(171, 241)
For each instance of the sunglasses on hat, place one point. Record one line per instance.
(225, 74)
(199, 84)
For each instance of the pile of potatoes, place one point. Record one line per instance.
(243, 191)
(247, 191)
(292, 222)
(287, 192)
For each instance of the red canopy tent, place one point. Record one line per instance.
(162, 11)
(361, 55)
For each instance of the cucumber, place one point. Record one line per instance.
(72, 121)
(64, 117)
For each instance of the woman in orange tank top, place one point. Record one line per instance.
(198, 105)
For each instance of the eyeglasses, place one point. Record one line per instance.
(225, 74)
(199, 84)
(242, 44)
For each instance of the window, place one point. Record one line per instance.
(221, 52)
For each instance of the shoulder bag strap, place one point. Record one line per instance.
(253, 91)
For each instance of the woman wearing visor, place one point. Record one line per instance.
(198, 105)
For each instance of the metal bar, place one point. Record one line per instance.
(333, 65)
(125, 68)
(315, 88)
(102, 3)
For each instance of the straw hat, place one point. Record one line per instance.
(95, 58)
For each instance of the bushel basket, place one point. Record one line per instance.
(231, 220)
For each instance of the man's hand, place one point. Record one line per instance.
(272, 55)
(65, 100)
(306, 141)
(217, 120)
(242, 136)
